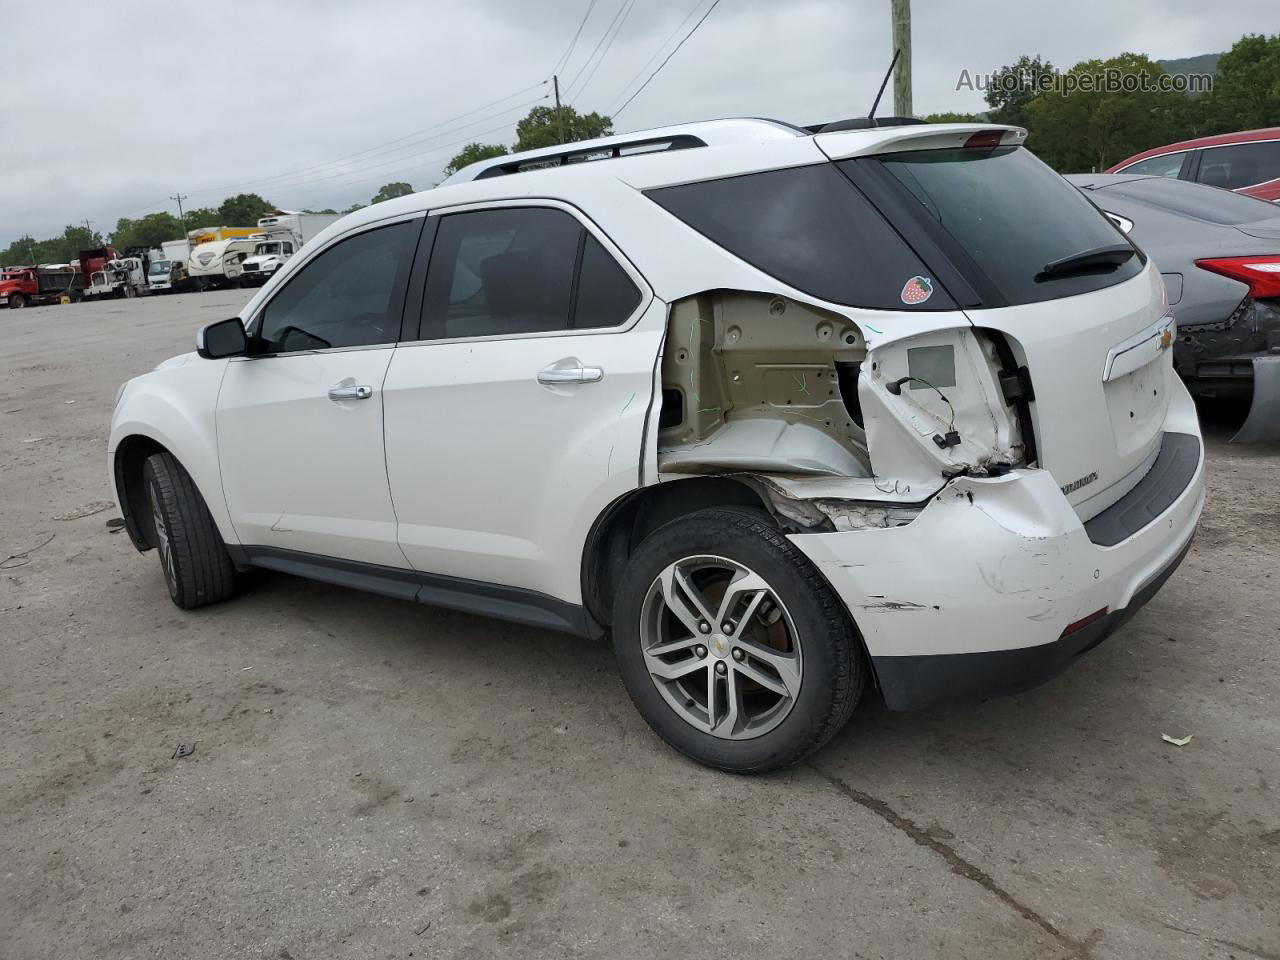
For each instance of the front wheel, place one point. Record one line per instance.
(17, 301)
(196, 567)
(732, 646)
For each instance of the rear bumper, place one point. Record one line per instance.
(985, 591)
(912, 683)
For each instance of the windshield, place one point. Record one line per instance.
(159, 268)
(266, 249)
(1001, 216)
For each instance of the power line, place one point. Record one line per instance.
(669, 56)
(417, 166)
(599, 44)
(564, 57)
(662, 46)
(374, 166)
(630, 5)
(380, 146)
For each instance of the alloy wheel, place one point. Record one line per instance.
(721, 647)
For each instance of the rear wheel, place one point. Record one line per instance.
(197, 569)
(17, 301)
(732, 646)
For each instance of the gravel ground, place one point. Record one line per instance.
(377, 779)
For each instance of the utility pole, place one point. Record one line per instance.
(559, 115)
(902, 43)
(179, 197)
(89, 227)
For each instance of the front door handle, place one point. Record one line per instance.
(570, 374)
(353, 392)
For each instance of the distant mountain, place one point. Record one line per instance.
(1205, 63)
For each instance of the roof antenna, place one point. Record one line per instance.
(871, 117)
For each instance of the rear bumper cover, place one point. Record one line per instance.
(913, 683)
(973, 598)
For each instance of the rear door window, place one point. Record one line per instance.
(1239, 165)
(810, 228)
(518, 270)
(1002, 216)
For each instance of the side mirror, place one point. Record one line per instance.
(226, 338)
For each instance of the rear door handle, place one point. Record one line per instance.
(570, 374)
(354, 392)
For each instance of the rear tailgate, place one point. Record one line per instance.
(1005, 235)
(1101, 367)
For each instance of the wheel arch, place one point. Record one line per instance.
(130, 453)
(628, 520)
(130, 456)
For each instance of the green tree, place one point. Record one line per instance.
(243, 210)
(354, 207)
(389, 191)
(1078, 130)
(149, 231)
(1015, 86)
(1246, 90)
(22, 252)
(473, 153)
(955, 118)
(205, 217)
(541, 128)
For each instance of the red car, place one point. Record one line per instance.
(1247, 162)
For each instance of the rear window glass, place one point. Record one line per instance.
(810, 228)
(1194, 200)
(1002, 213)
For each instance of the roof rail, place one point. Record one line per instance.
(684, 141)
(708, 133)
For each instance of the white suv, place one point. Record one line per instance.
(785, 412)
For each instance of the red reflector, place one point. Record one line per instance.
(1262, 273)
(1084, 622)
(985, 139)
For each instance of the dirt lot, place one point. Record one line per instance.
(375, 779)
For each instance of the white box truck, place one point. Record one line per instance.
(286, 232)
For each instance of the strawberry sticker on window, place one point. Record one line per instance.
(917, 290)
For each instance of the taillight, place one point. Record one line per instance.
(1262, 274)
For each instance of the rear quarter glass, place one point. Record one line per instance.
(1001, 215)
(812, 229)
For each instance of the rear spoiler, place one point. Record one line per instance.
(934, 136)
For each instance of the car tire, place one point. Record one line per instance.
(17, 301)
(767, 696)
(197, 569)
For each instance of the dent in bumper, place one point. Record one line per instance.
(995, 565)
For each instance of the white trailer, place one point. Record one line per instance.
(218, 263)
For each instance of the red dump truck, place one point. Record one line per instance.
(29, 286)
(100, 272)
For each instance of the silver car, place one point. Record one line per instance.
(1219, 253)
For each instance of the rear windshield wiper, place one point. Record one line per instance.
(1111, 255)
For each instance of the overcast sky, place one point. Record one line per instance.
(125, 107)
